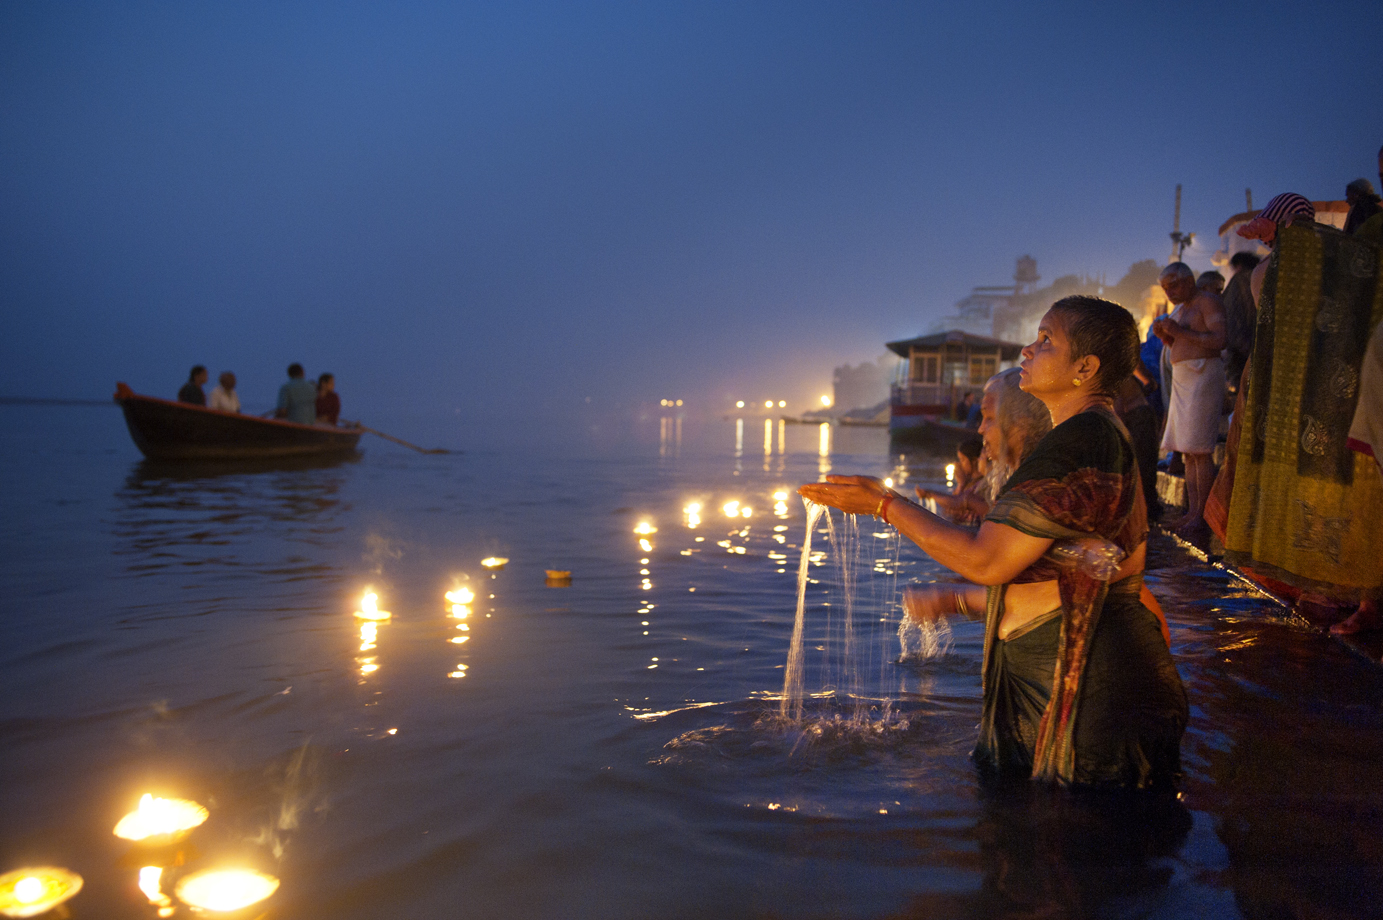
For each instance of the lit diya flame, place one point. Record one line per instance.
(225, 889)
(494, 562)
(460, 596)
(159, 818)
(34, 891)
(645, 528)
(369, 608)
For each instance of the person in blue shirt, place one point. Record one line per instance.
(297, 398)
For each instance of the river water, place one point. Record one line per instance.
(612, 748)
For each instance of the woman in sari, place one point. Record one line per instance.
(1079, 685)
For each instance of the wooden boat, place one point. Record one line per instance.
(166, 430)
(935, 374)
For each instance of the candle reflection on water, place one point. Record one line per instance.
(149, 883)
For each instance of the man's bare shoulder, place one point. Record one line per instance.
(1208, 303)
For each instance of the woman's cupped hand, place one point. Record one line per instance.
(851, 494)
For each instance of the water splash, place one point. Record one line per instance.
(930, 639)
(791, 707)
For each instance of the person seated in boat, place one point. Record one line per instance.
(297, 398)
(1079, 684)
(328, 403)
(224, 398)
(191, 391)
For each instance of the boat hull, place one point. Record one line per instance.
(167, 430)
(926, 426)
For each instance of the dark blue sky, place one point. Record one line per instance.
(479, 213)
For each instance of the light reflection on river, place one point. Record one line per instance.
(610, 748)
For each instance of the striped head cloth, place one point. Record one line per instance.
(1288, 205)
(1283, 208)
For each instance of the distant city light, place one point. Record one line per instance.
(782, 404)
(768, 404)
(731, 509)
(740, 404)
(826, 401)
(679, 402)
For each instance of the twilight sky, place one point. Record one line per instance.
(481, 214)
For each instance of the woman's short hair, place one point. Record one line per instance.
(971, 447)
(1099, 327)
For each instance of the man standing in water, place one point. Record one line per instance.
(1194, 334)
(297, 398)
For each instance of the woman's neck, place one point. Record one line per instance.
(1075, 403)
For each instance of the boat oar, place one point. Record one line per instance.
(390, 437)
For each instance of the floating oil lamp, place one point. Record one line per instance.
(494, 562)
(225, 890)
(645, 528)
(369, 608)
(157, 822)
(558, 578)
(37, 890)
(460, 596)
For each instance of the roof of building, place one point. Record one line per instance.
(1007, 350)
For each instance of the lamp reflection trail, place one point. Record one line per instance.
(149, 883)
(824, 449)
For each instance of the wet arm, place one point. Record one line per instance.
(994, 555)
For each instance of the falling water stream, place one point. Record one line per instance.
(854, 644)
(791, 707)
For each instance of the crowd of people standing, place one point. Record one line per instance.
(1079, 687)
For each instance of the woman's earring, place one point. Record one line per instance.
(1076, 382)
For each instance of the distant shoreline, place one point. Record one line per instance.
(45, 401)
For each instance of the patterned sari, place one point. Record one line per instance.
(1087, 695)
(1304, 509)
